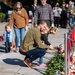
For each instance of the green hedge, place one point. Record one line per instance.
(55, 64)
(1, 16)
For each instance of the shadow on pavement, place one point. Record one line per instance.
(40, 71)
(13, 61)
(2, 49)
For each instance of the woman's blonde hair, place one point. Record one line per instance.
(15, 6)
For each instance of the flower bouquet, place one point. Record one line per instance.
(56, 64)
(52, 29)
(60, 50)
(72, 64)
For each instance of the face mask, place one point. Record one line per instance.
(43, 4)
(35, 4)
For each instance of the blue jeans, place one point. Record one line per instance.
(7, 46)
(41, 60)
(34, 53)
(72, 20)
(19, 35)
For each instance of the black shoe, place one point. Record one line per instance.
(6, 51)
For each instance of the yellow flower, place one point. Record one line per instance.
(63, 54)
(62, 72)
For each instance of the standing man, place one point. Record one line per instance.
(57, 11)
(44, 12)
(32, 46)
(34, 8)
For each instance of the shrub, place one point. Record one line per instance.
(55, 64)
(1, 16)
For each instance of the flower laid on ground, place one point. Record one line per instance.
(62, 72)
(72, 64)
(56, 64)
(60, 50)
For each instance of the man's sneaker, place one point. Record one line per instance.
(42, 65)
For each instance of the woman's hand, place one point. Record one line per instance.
(26, 27)
(19, 12)
(51, 47)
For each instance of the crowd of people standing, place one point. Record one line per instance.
(59, 15)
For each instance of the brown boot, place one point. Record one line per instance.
(28, 63)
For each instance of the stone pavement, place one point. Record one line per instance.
(12, 63)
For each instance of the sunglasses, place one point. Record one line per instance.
(18, 8)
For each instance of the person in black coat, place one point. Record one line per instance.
(63, 16)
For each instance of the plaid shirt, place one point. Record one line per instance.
(43, 12)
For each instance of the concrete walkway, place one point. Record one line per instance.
(12, 63)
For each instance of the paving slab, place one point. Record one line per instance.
(12, 63)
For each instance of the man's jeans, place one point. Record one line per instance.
(19, 35)
(34, 53)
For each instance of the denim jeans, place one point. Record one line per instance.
(34, 53)
(41, 60)
(19, 35)
(7, 46)
(72, 20)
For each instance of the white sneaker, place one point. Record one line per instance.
(16, 50)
